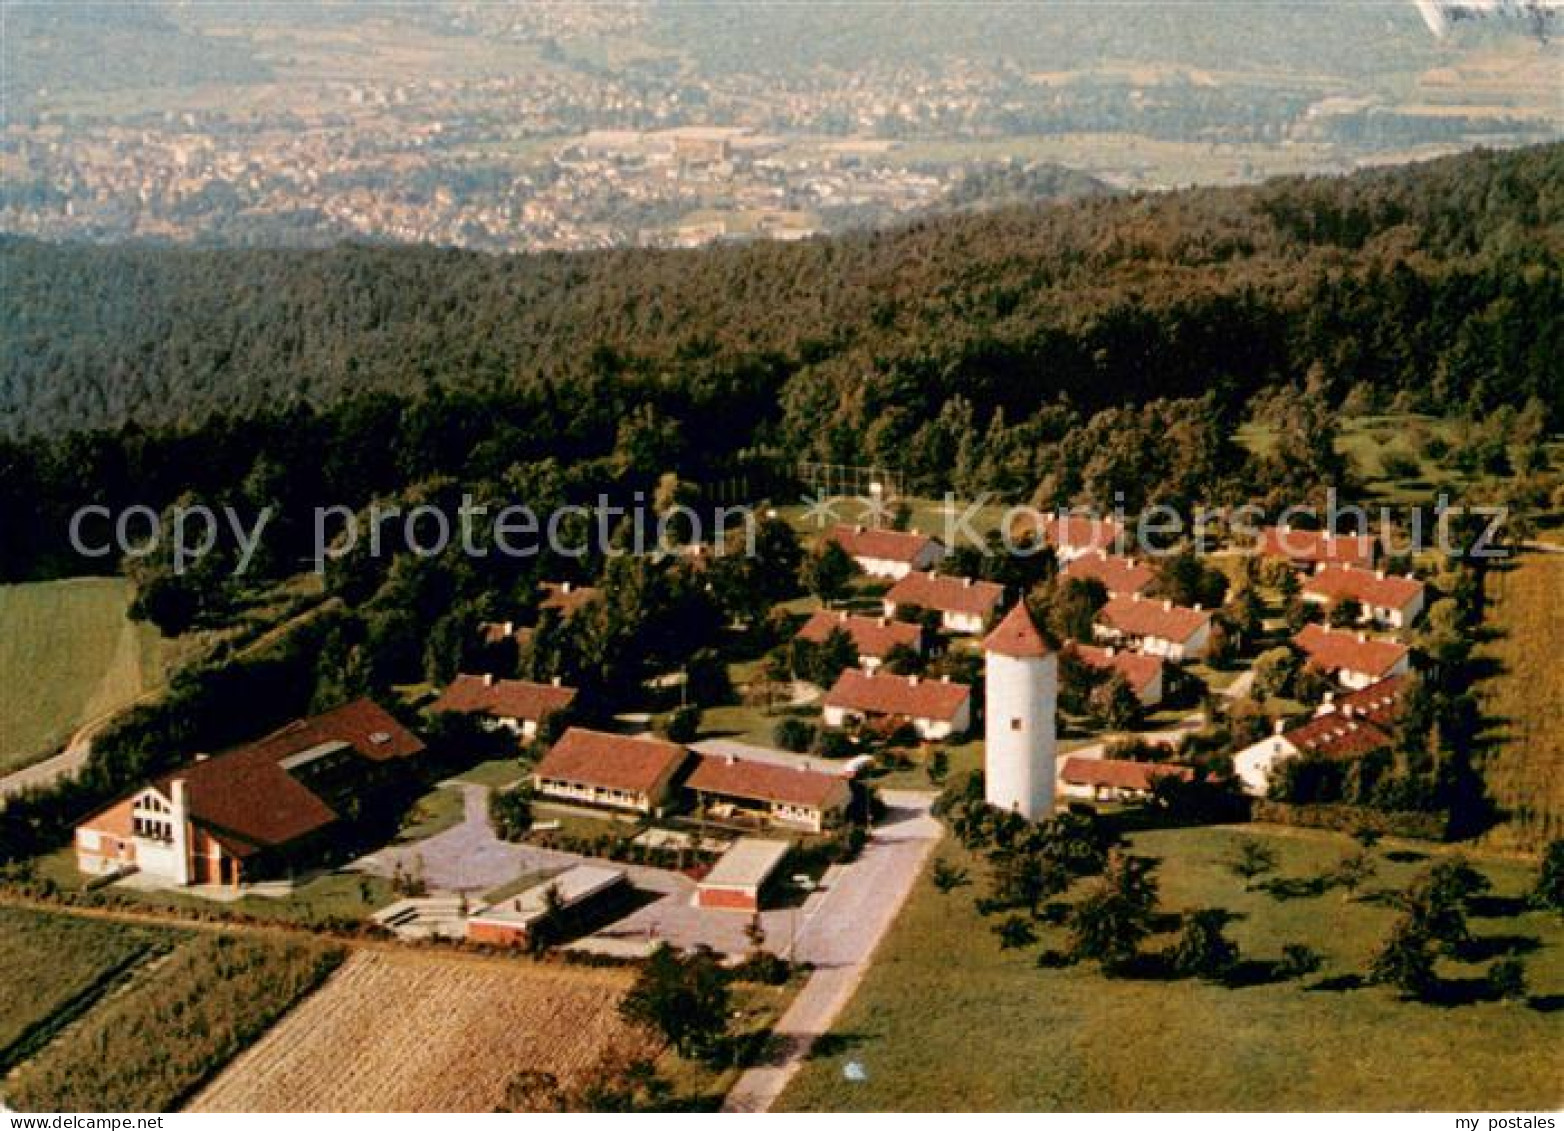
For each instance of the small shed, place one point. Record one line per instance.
(735, 881)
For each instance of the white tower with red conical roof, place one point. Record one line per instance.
(1021, 697)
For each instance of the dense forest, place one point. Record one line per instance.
(1030, 350)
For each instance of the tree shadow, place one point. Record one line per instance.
(1406, 856)
(835, 1044)
(1286, 888)
(1481, 948)
(1496, 906)
(1249, 972)
(1339, 984)
(1546, 1003)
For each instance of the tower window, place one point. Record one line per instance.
(1015, 724)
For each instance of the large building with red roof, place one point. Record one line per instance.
(1072, 533)
(255, 811)
(874, 637)
(1157, 628)
(516, 705)
(1354, 659)
(964, 605)
(880, 552)
(1385, 598)
(936, 708)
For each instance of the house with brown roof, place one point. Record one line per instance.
(614, 771)
(1385, 598)
(1309, 549)
(873, 637)
(1342, 728)
(1072, 533)
(253, 812)
(936, 708)
(1354, 659)
(1157, 628)
(516, 705)
(964, 605)
(1120, 576)
(1144, 673)
(1114, 779)
(887, 553)
(728, 786)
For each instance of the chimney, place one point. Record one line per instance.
(1348, 710)
(1167, 606)
(1379, 573)
(1110, 650)
(509, 628)
(1198, 606)
(912, 681)
(1363, 638)
(567, 587)
(488, 679)
(858, 529)
(557, 681)
(966, 583)
(944, 679)
(1279, 727)
(733, 759)
(915, 531)
(202, 756)
(1329, 699)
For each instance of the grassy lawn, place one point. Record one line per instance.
(1525, 700)
(57, 965)
(150, 1047)
(439, 809)
(328, 897)
(940, 990)
(496, 773)
(69, 655)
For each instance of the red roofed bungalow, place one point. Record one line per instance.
(1120, 576)
(611, 770)
(1158, 628)
(936, 708)
(1114, 779)
(1385, 598)
(1073, 533)
(1355, 659)
(566, 597)
(515, 704)
(874, 637)
(887, 553)
(1142, 672)
(255, 811)
(964, 605)
(782, 794)
(1308, 549)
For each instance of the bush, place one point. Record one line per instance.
(683, 725)
(794, 734)
(510, 812)
(1507, 979)
(1298, 961)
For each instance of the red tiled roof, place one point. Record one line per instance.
(1016, 635)
(1142, 617)
(1119, 575)
(1365, 586)
(947, 594)
(1379, 702)
(1336, 735)
(765, 781)
(245, 792)
(1138, 669)
(872, 636)
(1316, 546)
(503, 698)
(1073, 531)
(565, 596)
(905, 696)
(1117, 773)
(876, 542)
(610, 761)
(1348, 651)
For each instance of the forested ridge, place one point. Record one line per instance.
(1442, 277)
(1054, 353)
